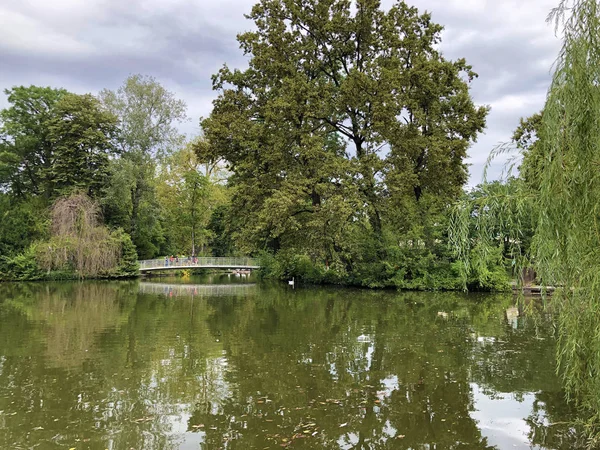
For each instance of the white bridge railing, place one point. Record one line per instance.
(200, 262)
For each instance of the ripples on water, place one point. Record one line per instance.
(239, 365)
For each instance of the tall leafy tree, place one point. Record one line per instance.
(188, 196)
(148, 116)
(26, 152)
(53, 141)
(81, 133)
(527, 138)
(345, 111)
(23, 221)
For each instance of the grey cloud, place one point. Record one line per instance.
(184, 42)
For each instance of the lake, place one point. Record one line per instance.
(219, 362)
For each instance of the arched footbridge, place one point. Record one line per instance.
(154, 265)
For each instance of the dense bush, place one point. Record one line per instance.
(22, 267)
(410, 269)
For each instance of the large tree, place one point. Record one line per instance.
(148, 116)
(81, 133)
(188, 196)
(52, 141)
(345, 112)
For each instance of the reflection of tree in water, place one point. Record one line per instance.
(62, 379)
(343, 368)
(368, 363)
(518, 363)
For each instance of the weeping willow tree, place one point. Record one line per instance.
(563, 202)
(79, 241)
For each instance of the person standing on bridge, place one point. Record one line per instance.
(166, 261)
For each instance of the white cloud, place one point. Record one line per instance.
(22, 33)
(92, 44)
(517, 104)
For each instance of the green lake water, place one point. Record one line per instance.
(223, 362)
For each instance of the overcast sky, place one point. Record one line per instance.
(87, 45)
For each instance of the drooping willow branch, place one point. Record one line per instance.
(78, 240)
(563, 195)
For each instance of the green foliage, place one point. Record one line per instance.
(22, 223)
(148, 115)
(128, 264)
(559, 195)
(81, 134)
(53, 142)
(409, 268)
(79, 247)
(289, 264)
(492, 229)
(187, 196)
(527, 139)
(567, 240)
(329, 87)
(25, 147)
(221, 242)
(22, 267)
(488, 269)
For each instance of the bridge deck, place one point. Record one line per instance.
(200, 263)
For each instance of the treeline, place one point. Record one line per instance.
(336, 156)
(134, 183)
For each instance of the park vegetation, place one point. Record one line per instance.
(335, 157)
(90, 184)
(549, 211)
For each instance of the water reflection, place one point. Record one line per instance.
(198, 290)
(121, 365)
(502, 418)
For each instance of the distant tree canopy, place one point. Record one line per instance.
(117, 151)
(347, 115)
(148, 115)
(52, 141)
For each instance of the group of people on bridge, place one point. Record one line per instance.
(176, 261)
